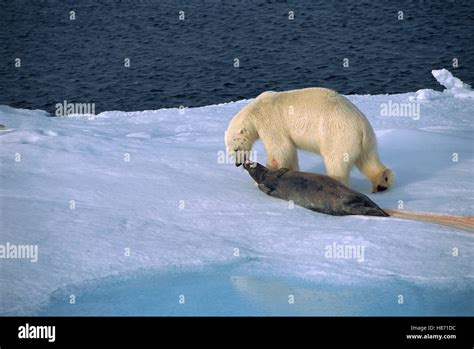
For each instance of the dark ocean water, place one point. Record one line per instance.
(191, 62)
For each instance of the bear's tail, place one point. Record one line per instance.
(459, 222)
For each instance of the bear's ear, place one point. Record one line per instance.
(280, 172)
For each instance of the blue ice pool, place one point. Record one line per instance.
(236, 290)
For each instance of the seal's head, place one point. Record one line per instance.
(257, 172)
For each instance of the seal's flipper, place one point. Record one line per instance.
(265, 188)
(360, 204)
(280, 172)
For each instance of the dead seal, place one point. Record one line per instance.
(326, 195)
(313, 191)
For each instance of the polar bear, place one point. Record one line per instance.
(318, 120)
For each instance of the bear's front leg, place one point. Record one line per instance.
(338, 169)
(283, 156)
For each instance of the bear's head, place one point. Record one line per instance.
(238, 145)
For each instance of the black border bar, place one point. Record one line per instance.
(322, 331)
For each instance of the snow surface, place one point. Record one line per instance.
(178, 209)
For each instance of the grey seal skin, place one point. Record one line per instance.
(313, 191)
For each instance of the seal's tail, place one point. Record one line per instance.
(459, 222)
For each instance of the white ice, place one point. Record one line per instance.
(454, 87)
(174, 205)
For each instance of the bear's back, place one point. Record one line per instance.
(308, 92)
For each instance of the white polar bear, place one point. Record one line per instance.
(314, 119)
